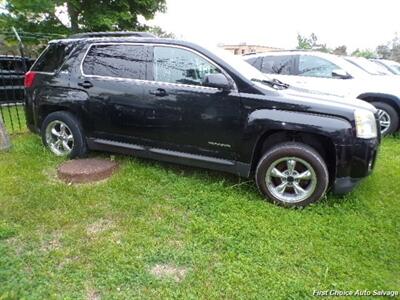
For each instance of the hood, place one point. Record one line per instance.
(322, 98)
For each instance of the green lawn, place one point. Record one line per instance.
(161, 231)
(13, 118)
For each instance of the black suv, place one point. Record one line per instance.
(178, 102)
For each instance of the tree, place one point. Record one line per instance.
(364, 53)
(158, 31)
(81, 15)
(310, 43)
(4, 138)
(383, 51)
(341, 50)
(395, 53)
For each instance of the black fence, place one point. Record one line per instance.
(12, 70)
(14, 63)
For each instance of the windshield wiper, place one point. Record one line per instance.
(274, 83)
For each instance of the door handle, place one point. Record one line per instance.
(86, 84)
(159, 93)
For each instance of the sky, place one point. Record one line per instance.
(354, 23)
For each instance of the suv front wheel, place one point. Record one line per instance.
(292, 174)
(62, 134)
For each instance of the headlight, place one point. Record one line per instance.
(365, 124)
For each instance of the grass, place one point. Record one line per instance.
(161, 231)
(13, 118)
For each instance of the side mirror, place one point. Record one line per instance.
(340, 74)
(218, 81)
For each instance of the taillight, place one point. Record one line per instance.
(29, 79)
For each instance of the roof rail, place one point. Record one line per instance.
(111, 34)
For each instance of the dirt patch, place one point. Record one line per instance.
(175, 273)
(92, 294)
(176, 244)
(51, 174)
(53, 243)
(16, 244)
(99, 227)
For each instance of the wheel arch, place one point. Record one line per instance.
(322, 144)
(46, 109)
(380, 97)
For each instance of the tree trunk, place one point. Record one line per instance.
(73, 17)
(5, 143)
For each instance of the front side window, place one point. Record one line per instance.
(175, 65)
(121, 61)
(278, 64)
(315, 67)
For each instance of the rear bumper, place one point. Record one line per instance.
(356, 162)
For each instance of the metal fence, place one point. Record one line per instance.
(12, 70)
(18, 51)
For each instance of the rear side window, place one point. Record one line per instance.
(122, 61)
(278, 64)
(53, 58)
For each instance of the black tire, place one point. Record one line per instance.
(305, 155)
(79, 148)
(394, 117)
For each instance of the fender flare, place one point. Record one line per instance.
(383, 97)
(264, 121)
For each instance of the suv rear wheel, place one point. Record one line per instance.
(292, 174)
(62, 134)
(388, 118)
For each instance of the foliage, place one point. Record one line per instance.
(158, 31)
(383, 51)
(83, 15)
(310, 43)
(341, 50)
(364, 53)
(102, 240)
(391, 50)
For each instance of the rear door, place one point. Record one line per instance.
(112, 76)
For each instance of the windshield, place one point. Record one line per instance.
(394, 66)
(367, 66)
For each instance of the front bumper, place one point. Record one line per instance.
(354, 163)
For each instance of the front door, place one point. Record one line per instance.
(315, 73)
(187, 115)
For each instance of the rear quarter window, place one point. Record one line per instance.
(52, 58)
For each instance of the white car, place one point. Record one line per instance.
(390, 65)
(368, 66)
(334, 75)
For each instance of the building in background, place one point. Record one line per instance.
(243, 48)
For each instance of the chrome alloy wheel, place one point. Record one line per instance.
(59, 138)
(384, 120)
(291, 179)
